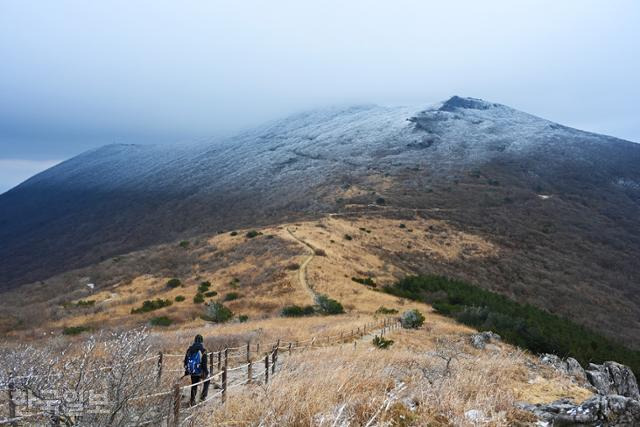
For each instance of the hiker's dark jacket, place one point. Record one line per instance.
(197, 346)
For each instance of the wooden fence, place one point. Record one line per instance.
(229, 368)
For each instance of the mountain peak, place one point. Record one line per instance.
(456, 102)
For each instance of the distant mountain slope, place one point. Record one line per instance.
(563, 204)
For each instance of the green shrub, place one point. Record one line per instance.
(184, 244)
(204, 287)
(380, 201)
(74, 330)
(297, 311)
(382, 342)
(210, 294)
(402, 226)
(243, 318)
(293, 266)
(216, 312)
(79, 304)
(161, 321)
(231, 296)
(174, 283)
(328, 306)
(520, 324)
(180, 298)
(385, 310)
(234, 282)
(198, 299)
(151, 305)
(347, 237)
(366, 281)
(412, 319)
(253, 233)
(234, 233)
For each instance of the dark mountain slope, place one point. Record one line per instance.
(561, 203)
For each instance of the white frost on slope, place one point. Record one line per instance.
(314, 146)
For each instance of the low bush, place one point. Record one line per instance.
(385, 310)
(231, 296)
(160, 321)
(412, 319)
(204, 287)
(348, 237)
(320, 252)
(297, 311)
(173, 283)
(233, 233)
(243, 318)
(402, 226)
(293, 266)
(74, 330)
(328, 306)
(252, 233)
(210, 294)
(184, 244)
(366, 281)
(235, 282)
(79, 304)
(151, 305)
(180, 298)
(198, 299)
(382, 342)
(216, 312)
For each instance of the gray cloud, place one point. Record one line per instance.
(79, 74)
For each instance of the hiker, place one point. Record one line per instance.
(195, 365)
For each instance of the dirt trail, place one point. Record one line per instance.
(302, 271)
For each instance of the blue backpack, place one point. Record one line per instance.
(194, 363)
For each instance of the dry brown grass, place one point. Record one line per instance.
(404, 385)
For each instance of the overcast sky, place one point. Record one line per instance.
(78, 74)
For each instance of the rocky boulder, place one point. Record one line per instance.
(612, 410)
(480, 340)
(613, 378)
(568, 366)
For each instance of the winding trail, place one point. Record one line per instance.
(302, 271)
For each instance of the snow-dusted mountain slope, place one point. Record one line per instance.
(529, 183)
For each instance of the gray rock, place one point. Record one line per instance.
(480, 340)
(612, 410)
(613, 378)
(570, 367)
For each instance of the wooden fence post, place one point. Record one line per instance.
(224, 382)
(226, 358)
(249, 372)
(257, 348)
(219, 360)
(289, 349)
(274, 358)
(176, 405)
(159, 374)
(248, 351)
(211, 363)
(266, 369)
(12, 404)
